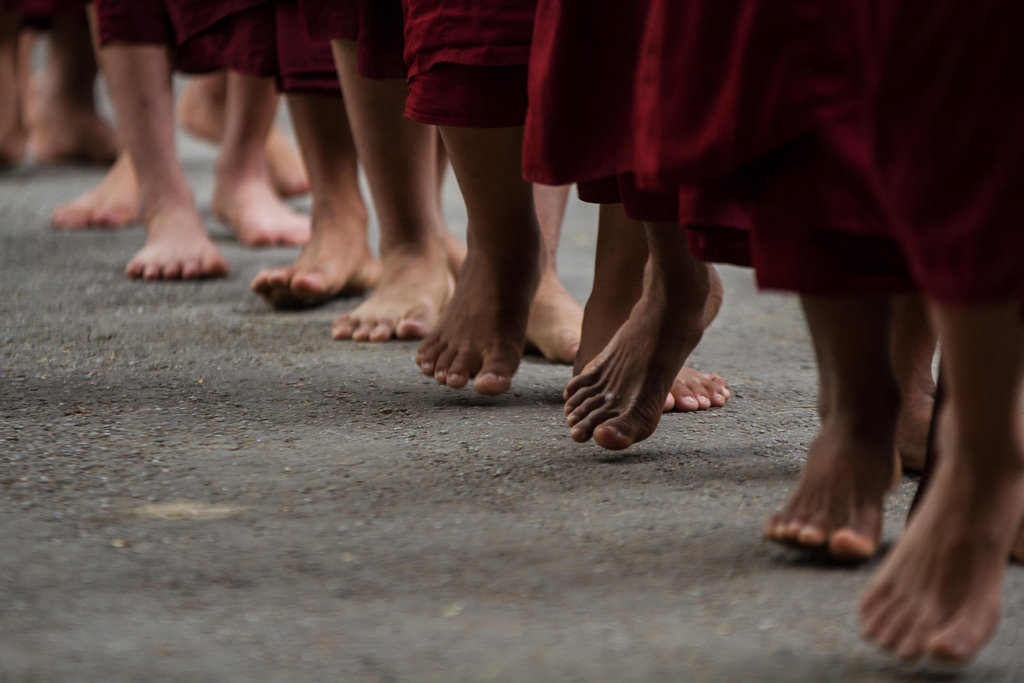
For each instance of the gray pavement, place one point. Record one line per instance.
(194, 487)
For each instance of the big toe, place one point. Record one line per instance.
(615, 435)
(415, 325)
(852, 544)
(960, 641)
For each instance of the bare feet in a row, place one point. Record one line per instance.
(114, 203)
(335, 261)
(177, 248)
(618, 397)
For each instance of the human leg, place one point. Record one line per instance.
(482, 331)
(618, 397)
(837, 504)
(401, 161)
(177, 245)
(619, 262)
(938, 591)
(63, 121)
(337, 258)
(201, 110)
(243, 197)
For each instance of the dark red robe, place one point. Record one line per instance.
(262, 38)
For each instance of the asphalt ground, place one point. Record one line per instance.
(196, 487)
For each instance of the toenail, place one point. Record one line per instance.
(690, 402)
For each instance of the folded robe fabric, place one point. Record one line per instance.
(262, 38)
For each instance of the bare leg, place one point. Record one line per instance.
(63, 121)
(912, 347)
(837, 505)
(242, 196)
(482, 331)
(618, 283)
(337, 258)
(177, 245)
(454, 248)
(400, 158)
(938, 591)
(556, 319)
(202, 112)
(619, 396)
(13, 136)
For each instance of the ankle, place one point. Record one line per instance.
(236, 168)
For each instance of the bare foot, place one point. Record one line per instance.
(201, 112)
(114, 203)
(692, 389)
(257, 216)
(482, 331)
(413, 289)
(938, 591)
(62, 130)
(619, 396)
(837, 505)
(555, 321)
(334, 262)
(177, 247)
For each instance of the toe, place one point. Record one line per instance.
(617, 434)
(416, 325)
(309, 286)
(443, 363)
(812, 534)
(462, 366)
(579, 395)
(961, 640)
(850, 543)
(343, 327)
(382, 331)
(896, 628)
(684, 398)
(172, 271)
(495, 376)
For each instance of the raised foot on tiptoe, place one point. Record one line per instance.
(114, 203)
(619, 396)
(555, 321)
(326, 268)
(938, 592)
(837, 504)
(177, 248)
(257, 215)
(413, 288)
(482, 331)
